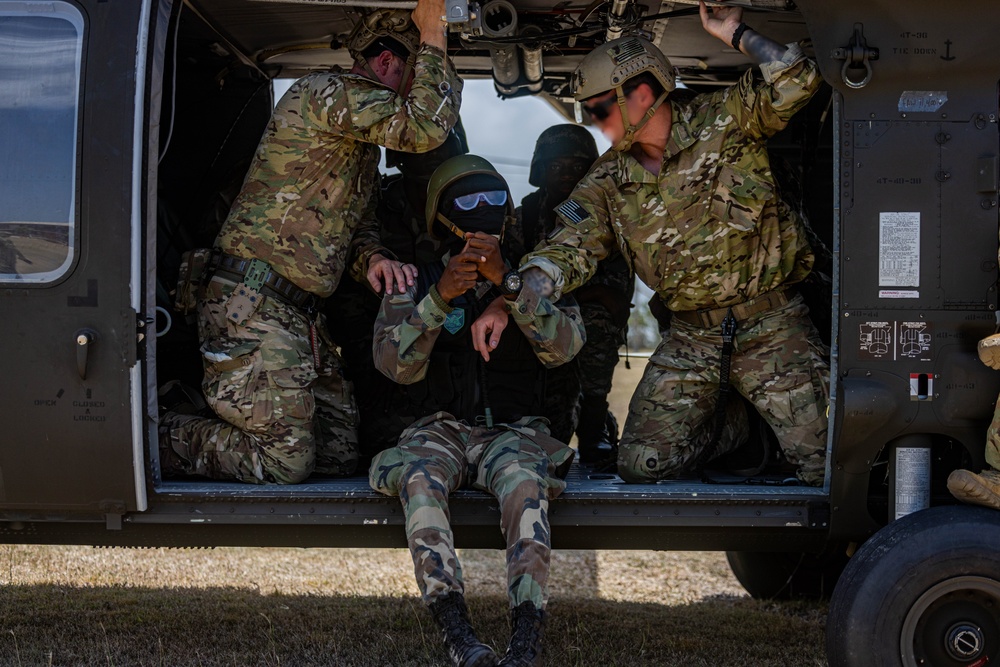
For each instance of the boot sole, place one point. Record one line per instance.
(973, 489)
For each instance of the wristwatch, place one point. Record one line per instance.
(511, 283)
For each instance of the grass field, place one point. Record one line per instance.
(359, 607)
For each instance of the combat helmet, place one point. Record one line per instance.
(392, 29)
(566, 140)
(610, 65)
(422, 165)
(450, 172)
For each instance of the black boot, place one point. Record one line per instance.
(464, 648)
(597, 442)
(525, 648)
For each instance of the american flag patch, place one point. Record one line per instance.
(572, 211)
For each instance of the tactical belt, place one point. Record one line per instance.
(709, 319)
(255, 272)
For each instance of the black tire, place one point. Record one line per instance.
(789, 576)
(925, 590)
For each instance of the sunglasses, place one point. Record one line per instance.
(471, 201)
(601, 110)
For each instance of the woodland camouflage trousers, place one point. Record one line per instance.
(519, 463)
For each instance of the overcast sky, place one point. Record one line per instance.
(504, 131)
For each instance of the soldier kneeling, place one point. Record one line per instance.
(453, 332)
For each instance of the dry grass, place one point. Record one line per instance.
(288, 607)
(83, 606)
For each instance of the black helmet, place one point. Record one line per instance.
(422, 165)
(567, 140)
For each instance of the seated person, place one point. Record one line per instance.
(983, 488)
(452, 332)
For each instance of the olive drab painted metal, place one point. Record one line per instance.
(71, 399)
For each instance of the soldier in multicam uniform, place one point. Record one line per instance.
(576, 396)
(983, 488)
(384, 406)
(305, 212)
(688, 194)
(449, 338)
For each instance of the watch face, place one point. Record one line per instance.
(512, 281)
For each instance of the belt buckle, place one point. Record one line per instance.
(256, 274)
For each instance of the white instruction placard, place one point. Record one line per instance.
(899, 249)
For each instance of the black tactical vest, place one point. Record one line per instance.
(460, 382)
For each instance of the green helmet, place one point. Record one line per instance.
(394, 24)
(610, 65)
(451, 171)
(566, 140)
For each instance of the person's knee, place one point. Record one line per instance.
(522, 483)
(638, 464)
(290, 472)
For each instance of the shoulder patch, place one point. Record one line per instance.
(572, 211)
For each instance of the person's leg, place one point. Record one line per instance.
(427, 465)
(515, 467)
(781, 369)
(337, 449)
(258, 380)
(598, 359)
(982, 488)
(670, 416)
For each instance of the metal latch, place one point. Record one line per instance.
(856, 55)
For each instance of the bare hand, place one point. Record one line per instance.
(459, 276)
(427, 17)
(385, 271)
(720, 22)
(491, 264)
(489, 326)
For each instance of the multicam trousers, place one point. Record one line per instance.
(519, 463)
(777, 363)
(280, 416)
(993, 440)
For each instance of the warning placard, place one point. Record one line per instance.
(898, 249)
(895, 339)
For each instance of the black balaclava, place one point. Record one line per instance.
(484, 218)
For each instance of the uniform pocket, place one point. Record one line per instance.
(232, 374)
(739, 197)
(795, 399)
(290, 397)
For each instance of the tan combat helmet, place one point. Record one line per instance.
(451, 171)
(610, 65)
(395, 28)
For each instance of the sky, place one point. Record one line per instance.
(502, 131)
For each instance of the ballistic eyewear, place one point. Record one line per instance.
(601, 110)
(471, 201)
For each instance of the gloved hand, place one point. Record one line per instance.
(989, 351)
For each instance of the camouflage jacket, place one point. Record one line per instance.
(307, 205)
(709, 231)
(406, 330)
(611, 285)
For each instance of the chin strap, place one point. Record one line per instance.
(450, 226)
(631, 130)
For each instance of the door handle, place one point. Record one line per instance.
(84, 340)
